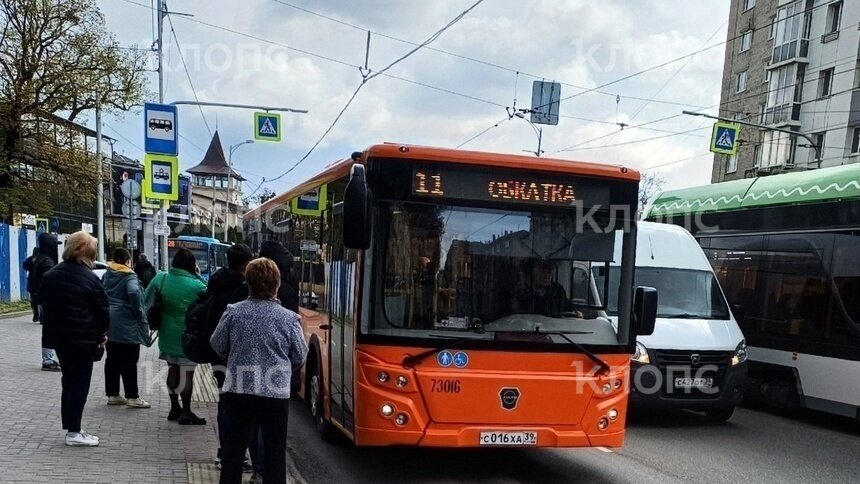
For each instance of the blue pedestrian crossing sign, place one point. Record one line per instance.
(267, 126)
(724, 138)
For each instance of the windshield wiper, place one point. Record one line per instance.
(411, 360)
(604, 366)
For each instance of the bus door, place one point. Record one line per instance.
(341, 284)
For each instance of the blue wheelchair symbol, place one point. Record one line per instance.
(444, 358)
(461, 359)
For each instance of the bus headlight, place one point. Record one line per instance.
(640, 355)
(741, 354)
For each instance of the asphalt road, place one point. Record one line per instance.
(754, 446)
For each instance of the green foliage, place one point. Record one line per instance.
(57, 61)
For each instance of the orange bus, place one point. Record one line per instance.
(458, 299)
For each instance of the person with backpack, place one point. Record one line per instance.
(128, 330)
(43, 262)
(288, 292)
(172, 293)
(259, 334)
(145, 270)
(226, 286)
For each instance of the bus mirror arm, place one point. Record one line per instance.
(357, 210)
(644, 310)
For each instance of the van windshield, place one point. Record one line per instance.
(682, 293)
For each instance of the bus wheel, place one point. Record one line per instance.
(315, 401)
(721, 414)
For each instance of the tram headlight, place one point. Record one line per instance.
(640, 354)
(741, 354)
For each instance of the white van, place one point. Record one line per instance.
(696, 357)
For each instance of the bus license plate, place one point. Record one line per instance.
(508, 438)
(694, 382)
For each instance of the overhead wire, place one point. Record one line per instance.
(188, 74)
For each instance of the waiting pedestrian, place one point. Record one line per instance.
(128, 330)
(28, 268)
(288, 293)
(145, 270)
(258, 334)
(43, 262)
(226, 286)
(75, 317)
(177, 288)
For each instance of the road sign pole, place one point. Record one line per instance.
(162, 241)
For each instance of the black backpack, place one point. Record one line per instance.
(195, 339)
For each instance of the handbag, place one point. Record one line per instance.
(153, 311)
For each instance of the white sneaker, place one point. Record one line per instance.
(117, 400)
(137, 403)
(80, 440)
(89, 436)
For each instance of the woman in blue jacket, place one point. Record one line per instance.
(128, 330)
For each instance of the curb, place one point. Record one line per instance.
(15, 314)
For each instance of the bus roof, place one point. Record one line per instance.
(446, 155)
(796, 188)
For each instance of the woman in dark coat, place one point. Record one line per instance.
(75, 318)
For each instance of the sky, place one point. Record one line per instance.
(306, 55)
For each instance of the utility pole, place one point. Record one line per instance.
(100, 196)
(229, 178)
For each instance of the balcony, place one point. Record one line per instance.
(796, 51)
(785, 114)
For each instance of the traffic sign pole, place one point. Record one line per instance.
(100, 196)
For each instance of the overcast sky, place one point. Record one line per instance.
(279, 55)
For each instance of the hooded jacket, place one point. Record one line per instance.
(178, 288)
(75, 309)
(43, 261)
(288, 293)
(127, 316)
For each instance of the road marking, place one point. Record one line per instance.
(604, 449)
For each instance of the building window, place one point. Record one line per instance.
(819, 143)
(772, 28)
(765, 78)
(748, 4)
(731, 163)
(825, 82)
(857, 75)
(741, 84)
(834, 17)
(855, 141)
(757, 155)
(746, 40)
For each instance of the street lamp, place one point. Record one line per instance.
(227, 204)
(538, 132)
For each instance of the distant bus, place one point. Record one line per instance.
(786, 249)
(448, 296)
(210, 253)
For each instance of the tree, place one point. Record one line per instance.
(57, 61)
(264, 196)
(649, 186)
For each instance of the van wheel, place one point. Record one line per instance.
(315, 402)
(722, 414)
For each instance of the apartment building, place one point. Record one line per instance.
(793, 65)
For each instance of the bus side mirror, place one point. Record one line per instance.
(645, 310)
(356, 210)
(738, 311)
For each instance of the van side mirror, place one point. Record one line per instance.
(356, 210)
(644, 310)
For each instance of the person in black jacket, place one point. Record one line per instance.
(28, 268)
(43, 261)
(288, 293)
(226, 286)
(145, 270)
(75, 319)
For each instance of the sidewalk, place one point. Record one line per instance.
(138, 446)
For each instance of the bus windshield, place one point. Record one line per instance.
(506, 274)
(684, 293)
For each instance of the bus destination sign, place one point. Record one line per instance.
(543, 189)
